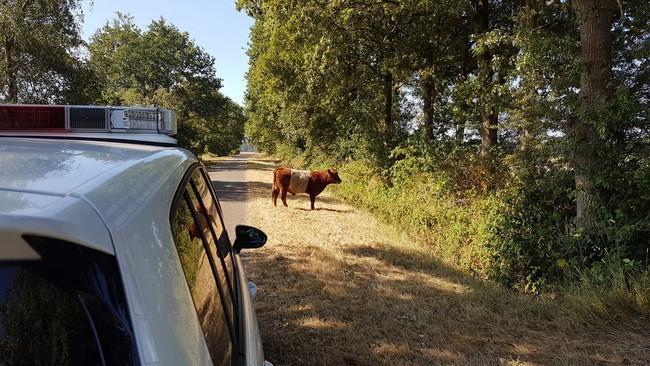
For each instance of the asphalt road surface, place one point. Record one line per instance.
(229, 180)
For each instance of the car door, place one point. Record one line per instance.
(207, 260)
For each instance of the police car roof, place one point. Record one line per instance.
(78, 190)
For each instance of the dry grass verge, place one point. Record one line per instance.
(339, 288)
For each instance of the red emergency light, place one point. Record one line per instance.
(27, 117)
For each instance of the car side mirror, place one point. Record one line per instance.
(248, 237)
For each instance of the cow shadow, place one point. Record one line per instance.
(303, 200)
(257, 189)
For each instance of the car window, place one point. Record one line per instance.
(66, 308)
(189, 236)
(42, 324)
(218, 237)
(223, 243)
(206, 219)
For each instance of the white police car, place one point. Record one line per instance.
(112, 245)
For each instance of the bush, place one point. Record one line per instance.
(458, 227)
(614, 285)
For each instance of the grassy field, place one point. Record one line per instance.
(337, 287)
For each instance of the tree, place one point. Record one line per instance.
(486, 94)
(39, 41)
(164, 67)
(595, 18)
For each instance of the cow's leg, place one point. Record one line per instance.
(276, 193)
(284, 197)
(312, 199)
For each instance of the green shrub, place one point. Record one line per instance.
(611, 286)
(458, 228)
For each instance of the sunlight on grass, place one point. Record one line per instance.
(319, 323)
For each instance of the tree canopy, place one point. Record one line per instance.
(164, 67)
(45, 60)
(39, 43)
(540, 105)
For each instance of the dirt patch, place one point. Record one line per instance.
(339, 288)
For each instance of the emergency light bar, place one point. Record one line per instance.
(77, 118)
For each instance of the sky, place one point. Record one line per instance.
(214, 25)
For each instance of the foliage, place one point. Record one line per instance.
(44, 60)
(467, 124)
(39, 46)
(520, 234)
(163, 67)
(422, 198)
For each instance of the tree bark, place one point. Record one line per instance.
(530, 21)
(595, 17)
(429, 92)
(466, 70)
(489, 117)
(12, 84)
(460, 134)
(388, 108)
(488, 131)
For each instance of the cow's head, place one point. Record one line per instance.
(333, 176)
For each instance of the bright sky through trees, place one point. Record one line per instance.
(214, 25)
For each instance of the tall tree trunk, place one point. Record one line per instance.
(388, 109)
(596, 17)
(460, 134)
(466, 70)
(489, 116)
(488, 131)
(12, 84)
(429, 92)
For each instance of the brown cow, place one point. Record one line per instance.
(302, 181)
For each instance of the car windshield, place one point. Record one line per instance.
(66, 308)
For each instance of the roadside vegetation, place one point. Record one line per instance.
(336, 286)
(45, 60)
(508, 138)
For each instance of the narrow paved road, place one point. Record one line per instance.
(229, 180)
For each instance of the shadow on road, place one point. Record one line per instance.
(230, 164)
(231, 191)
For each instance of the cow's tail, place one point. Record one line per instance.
(276, 190)
(275, 179)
